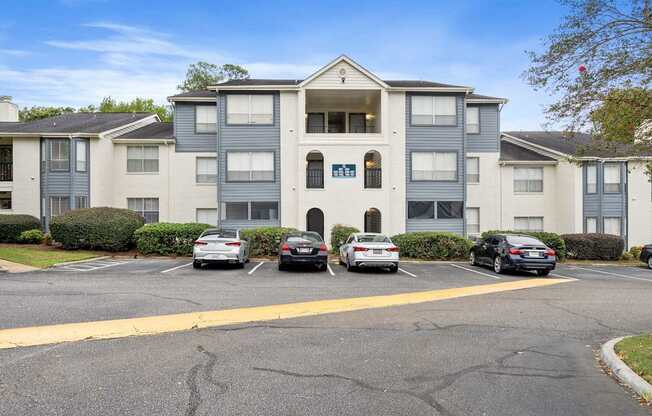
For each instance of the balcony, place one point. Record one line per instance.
(343, 112)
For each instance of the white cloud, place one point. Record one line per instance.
(14, 52)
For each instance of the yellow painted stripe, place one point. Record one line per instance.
(119, 328)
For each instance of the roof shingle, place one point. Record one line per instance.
(513, 152)
(152, 131)
(89, 123)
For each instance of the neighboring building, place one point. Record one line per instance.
(341, 146)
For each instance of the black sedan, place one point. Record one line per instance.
(646, 255)
(303, 247)
(513, 252)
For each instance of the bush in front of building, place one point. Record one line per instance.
(168, 239)
(31, 237)
(636, 252)
(13, 225)
(552, 240)
(339, 234)
(264, 241)
(430, 245)
(594, 246)
(110, 229)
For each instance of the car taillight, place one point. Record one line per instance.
(285, 247)
(393, 249)
(323, 247)
(550, 252)
(200, 243)
(515, 251)
(358, 248)
(233, 244)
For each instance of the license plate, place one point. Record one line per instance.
(377, 252)
(216, 257)
(304, 250)
(534, 254)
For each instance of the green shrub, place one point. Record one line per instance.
(339, 235)
(168, 238)
(636, 252)
(552, 240)
(31, 237)
(12, 226)
(433, 245)
(626, 256)
(594, 246)
(110, 229)
(264, 241)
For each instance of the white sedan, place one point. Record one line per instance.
(220, 246)
(369, 250)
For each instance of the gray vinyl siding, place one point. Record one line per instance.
(435, 138)
(187, 140)
(601, 205)
(489, 138)
(249, 138)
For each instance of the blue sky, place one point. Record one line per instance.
(74, 52)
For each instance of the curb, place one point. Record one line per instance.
(623, 372)
(80, 261)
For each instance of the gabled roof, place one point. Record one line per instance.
(73, 123)
(510, 152)
(153, 131)
(197, 95)
(339, 59)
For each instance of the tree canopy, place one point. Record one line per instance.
(202, 74)
(39, 112)
(108, 105)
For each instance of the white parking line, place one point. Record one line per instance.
(475, 271)
(175, 268)
(92, 266)
(406, 272)
(563, 277)
(255, 268)
(328, 266)
(614, 274)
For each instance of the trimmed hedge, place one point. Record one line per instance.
(31, 237)
(339, 234)
(110, 229)
(552, 240)
(594, 246)
(264, 241)
(168, 238)
(429, 245)
(13, 225)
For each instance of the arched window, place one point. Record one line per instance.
(373, 177)
(372, 221)
(314, 170)
(315, 221)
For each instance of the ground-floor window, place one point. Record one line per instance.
(611, 225)
(254, 210)
(147, 207)
(207, 216)
(59, 205)
(5, 200)
(81, 201)
(528, 223)
(473, 221)
(430, 210)
(591, 225)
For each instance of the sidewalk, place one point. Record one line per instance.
(10, 267)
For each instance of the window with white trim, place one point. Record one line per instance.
(611, 225)
(262, 210)
(142, 159)
(434, 166)
(528, 224)
(59, 154)
(472, 169)
(207, 216)
(81, 164)
(206, 170)
(250, 166)
(591, 225)
(472, 120)
(147, 207)
(428, 110)
(5, 200)
(591, 179)
(250, 109)
(473, 221)
(205, 118)
(611, 178)
(81, 201)
(248, 211)
(528, 179)
(59, 205)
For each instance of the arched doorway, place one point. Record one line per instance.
(315, 221)
(372, 221)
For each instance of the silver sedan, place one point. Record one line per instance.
(220, 246)
(369, 250)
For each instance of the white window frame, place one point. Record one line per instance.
(604, 225)
(472, 177)
(58, 202)
(592, 187)
(433, 175)
(529, 220)
(617, 168)
(60, 161)
(81, 149)
(438, 110)
(197, 212)
(206, 178)
(252, 166)
(472, 228)
(595, 224)
(205, 119)
(531, 185)
(78, 199)
(251, 102)
(473, 114)
(146, 213)
(249, 205)
(144, 157)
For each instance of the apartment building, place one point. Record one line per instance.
(340, 146)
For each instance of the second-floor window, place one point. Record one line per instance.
(142, 159)
(206, 119)
(60, 154)
(473, 120)
(472, 169)
(611, 178)
(206, 170)
(250, 166)
(249, 109)
(81, 164)
(591, 179)
(428, 110)
(434, 166)
(528, 179)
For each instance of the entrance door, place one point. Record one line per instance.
(315, 221)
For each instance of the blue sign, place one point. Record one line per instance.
(343, 170)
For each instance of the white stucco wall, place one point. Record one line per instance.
(103, 172)
(639, 205)
(25, 188)
(484, 195)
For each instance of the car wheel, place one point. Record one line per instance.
(498, 264)
(472, 260)
(241, 265)
(341, 262)
(393, 269)
(323, 267)
(649, 262)
(281, 266)
(543, 273)
(349, 266)
(196, 264)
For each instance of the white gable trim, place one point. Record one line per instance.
(343, 58)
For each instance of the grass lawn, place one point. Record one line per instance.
(39, 257)
(636, 352)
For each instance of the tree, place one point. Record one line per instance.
(138, 105)
(600, 45)
(621, 114)
(40, 112)
(202, 74)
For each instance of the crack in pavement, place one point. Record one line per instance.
(192, 381)
(588, 317)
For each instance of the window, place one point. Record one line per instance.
(336, 122)
(434, 110)
(591, 179)
(314, 170)
(250, 166)
(80, 156)
(528, 179)
(147, 207)
(207, 216)
(473, 221)
(611, 225)
(472, 169)
(357, 122)
(235, 211)
(264, 210)
(59, 154)
(591, 225)
(450, 209)
(249, 109)
(142, 159)
(315, 123)
(206, 170)
(528, 223)
(473, 120)
(421, 210)
(205, 119)
(5, 200)
(611, 178)
(59, 205)
(373, 170)
(81, 201)
(434, 166)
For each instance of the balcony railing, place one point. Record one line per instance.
(314, 178)
(373, 178)
(6, 170)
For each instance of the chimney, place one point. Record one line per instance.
(8, 110)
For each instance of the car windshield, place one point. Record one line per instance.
(220, 233)
(521, 240)
(304, 238)
(372, 238)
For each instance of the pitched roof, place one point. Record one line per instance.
(513, 152)
(294, 82)
(152, 131)
(482, 97)
(73, 123)
(407, 83)
(193, 94)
